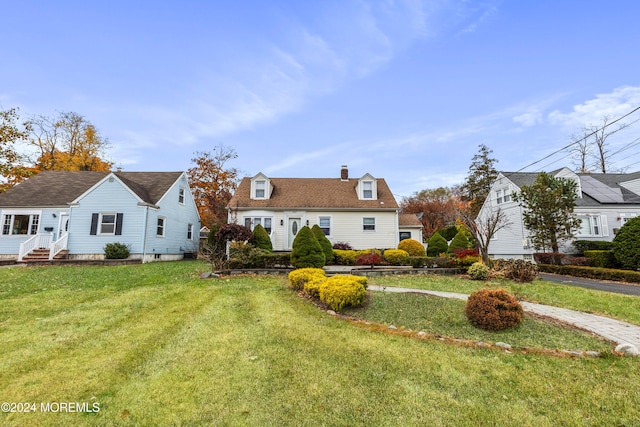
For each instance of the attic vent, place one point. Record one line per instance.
(344, 173)
(110, 179)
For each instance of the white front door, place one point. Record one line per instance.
(294, 227)
(63, 227)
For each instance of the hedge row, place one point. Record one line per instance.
(592, 272)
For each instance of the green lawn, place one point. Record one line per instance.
(154, 345)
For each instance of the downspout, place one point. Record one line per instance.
(144, 234)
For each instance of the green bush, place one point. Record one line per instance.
(599, 258)
(436, 245)
(593, 272)
(478, 271)
(412, 247)
(459, 242)
(493, 310)
(626, 245)
(449, 232)
(343, 291)
(324, 243)
(417, 261)
(306, 250)
(439, 262)
(517, 270)
(116, 251)
(592, 245)
(300, 276)
(261, 238)
(345, 257)
(396, 256)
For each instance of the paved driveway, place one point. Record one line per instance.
(615, 287)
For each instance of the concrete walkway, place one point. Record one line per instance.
(614, 330)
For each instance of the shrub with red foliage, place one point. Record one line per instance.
(461, 253)
(372, 258)
(493, 310)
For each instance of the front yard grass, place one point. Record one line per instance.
(155, 345)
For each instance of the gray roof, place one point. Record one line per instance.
(59, 188)
(610, 180)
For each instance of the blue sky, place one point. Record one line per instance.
(403, 89)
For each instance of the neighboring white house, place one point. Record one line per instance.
(75, 214)
(604, 203)
(359, 211)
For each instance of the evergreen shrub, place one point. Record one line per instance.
(592, 245)
(396, 256)
(478, 271)
(436, 245)
(459, 242)
(306, 250)
(342, 291)
(626, 245)
(300, 276)
(260, 238)
(493, 310)
(412, 247)
(324, 243)
(599, 258)
(116, 251)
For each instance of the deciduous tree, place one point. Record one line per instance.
(548, 206)
(12, 132)
(438, 208)
(213, 183)
(68, 142)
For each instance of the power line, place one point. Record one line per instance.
(580, 140)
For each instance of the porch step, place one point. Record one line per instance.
(41, 254)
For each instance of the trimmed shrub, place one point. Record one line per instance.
(436, 245)
(417, 261)
(626, 245)
(342, 291)
(306, 250)
(459, 242)
(604, 259)
(478, 271)
(517, 270)
(369, 258)
(592, 245)
(261, 238)
(439, 262)
(233, 231)
(412, 247)
(449, 232)
(396, 256)
(493, 310)
(593, 272)
(298, 277)
(345, 257)
(324, 243)
(578, 260)
(116, 251)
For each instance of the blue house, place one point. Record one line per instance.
(65, 214)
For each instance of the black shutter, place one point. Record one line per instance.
(94, 224)
(119, 224)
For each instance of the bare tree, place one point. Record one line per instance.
(600, 135)
(581, 151)
(484, 227)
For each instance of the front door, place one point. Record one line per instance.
(294, 227)
(63, 227)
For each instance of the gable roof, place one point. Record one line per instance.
(611, 180)
(409, 220)
(313, 193)
(59, 188)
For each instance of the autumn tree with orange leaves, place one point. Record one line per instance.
(68, 142)
(438, 208)
(12, 132)
(212, 183)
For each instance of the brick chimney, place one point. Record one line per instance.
(344, 173)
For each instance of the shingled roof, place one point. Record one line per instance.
(59, 188)
(313, 193)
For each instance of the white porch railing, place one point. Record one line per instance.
(59, 245)
(43, 241)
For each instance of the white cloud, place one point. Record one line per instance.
(614, 104)
(529, 119)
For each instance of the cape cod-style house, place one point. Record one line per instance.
(75, 214)
(359, 211)
(604, 203)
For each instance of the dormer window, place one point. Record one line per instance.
(367, 189)
(260, 189)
